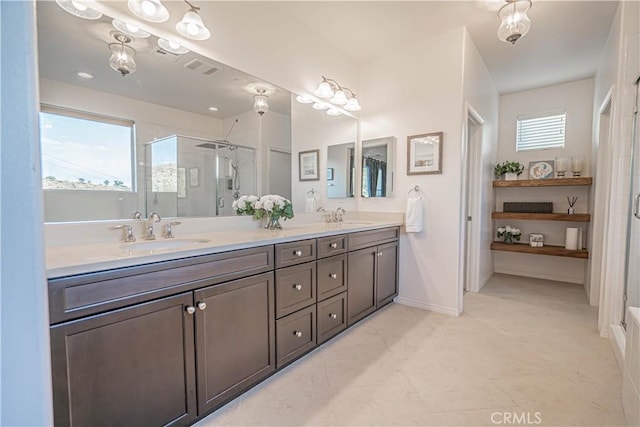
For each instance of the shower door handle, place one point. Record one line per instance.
(221, 202)
(636, 206)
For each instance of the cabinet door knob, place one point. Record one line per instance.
(379, 253)
(297, 287)
(297, 253)
(334, 245)
(333, 315)
(191, 309)
(333, 275)
(297, 333)
(202, 305)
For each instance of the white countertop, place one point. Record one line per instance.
(85, 258)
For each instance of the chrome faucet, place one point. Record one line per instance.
(168, 234)
(338, 214)
(128, 232)
(153, 217)
(332, 216)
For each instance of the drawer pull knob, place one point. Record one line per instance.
(334, 245)
(297, 253)
(202, 305)
(297, 333)
(379, 253)
(191, 309)
(297, 287)
(333, 315)
(333, 275)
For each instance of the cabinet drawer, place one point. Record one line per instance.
(332, 276)
(295, 253)
(77, 296)
(295, 288)
(365, 239)
(332, 317)
(296, 334)
(333, 245)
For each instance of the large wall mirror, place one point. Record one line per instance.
(178, 136)
(341, 170)
(378, 167)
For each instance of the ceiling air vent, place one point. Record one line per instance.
(201, 66)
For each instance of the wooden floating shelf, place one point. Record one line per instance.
(545, 250)
(557, 182)
(542, 216)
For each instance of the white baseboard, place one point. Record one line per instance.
(426, 306)
(617, 339)
(539, 276)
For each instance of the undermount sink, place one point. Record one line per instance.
(156, 245)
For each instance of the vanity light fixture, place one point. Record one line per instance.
(191, 25)
(261, 102)
(150, 10)
(79, 8)
(172, 47)
(514, 22)
(337, 94)
(122, 55)
(130, 29)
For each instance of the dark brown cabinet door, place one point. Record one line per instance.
(361, 280)
(133, 366)
(387, 269)
(235, 338)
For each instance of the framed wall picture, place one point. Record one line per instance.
(542, 169)
(308, 165)
(424, 153)
(194, 177)
(329, 174)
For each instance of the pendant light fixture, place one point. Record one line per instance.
(122, 55)
(149, 10)
(261, 102)
(191, 25)
(79, 8)
(514, 22)
(129, 29)
(337, 95)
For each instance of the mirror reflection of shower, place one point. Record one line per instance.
(190, 176)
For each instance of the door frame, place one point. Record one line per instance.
(470, 201)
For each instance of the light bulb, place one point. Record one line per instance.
(132, 28)
(174, 45)
(149, 8)
(191, 26)
(192, 29)
(79, 5)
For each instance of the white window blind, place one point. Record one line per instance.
(540, 132)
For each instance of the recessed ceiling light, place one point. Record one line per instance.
(85, 75)
(213, 108)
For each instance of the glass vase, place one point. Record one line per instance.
(273, 223)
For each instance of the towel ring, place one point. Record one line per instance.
(311, 193)
(416, 190)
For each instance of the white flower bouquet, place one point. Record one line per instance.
(508, 233)
(270, 206)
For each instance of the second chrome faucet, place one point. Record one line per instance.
(153, 217)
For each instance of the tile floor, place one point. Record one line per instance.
(523, 348)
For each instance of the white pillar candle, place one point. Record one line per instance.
(571, 239)
(561, 165)
(577, 163)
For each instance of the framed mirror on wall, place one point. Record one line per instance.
(378, 160)
(341, 170)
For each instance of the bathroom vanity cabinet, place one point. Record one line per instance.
(169, 342)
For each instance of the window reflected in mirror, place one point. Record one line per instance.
(377, 167)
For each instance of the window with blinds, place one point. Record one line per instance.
(541, 131)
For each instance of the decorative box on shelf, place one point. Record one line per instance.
(528, 207)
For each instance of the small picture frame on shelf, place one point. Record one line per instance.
(542, 169)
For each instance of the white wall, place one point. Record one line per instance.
(152, 122)
(414, 90)
(618, 67)
(24, 309)
(577, 99)
(480, 93)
